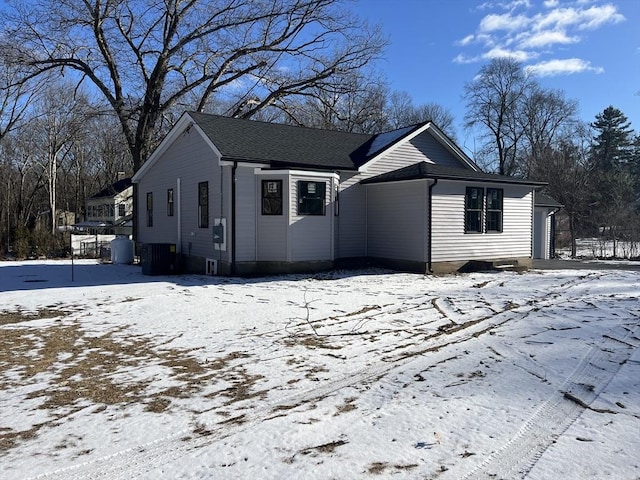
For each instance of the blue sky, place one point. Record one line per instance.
(590, 49)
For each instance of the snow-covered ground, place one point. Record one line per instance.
(345, 375)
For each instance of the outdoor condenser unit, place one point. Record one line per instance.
(158, 258)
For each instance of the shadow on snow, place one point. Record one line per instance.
(38, 275)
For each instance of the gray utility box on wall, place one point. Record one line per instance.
(158, 258)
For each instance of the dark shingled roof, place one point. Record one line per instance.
(114, 188)
(428, 170)
(286, 145)
(543, 200)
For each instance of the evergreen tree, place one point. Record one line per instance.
(613, 142)
(614, 162)
(634, 167)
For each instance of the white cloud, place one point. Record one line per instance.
(515, 4)
(509, 5)
(463, 60)
(567, 66)
(583, 19)
(546, 38)
(492, 23)
(522, 33)
(594, 17)
(466, 40)
(557, 18)
(518, 55)
(485, 6)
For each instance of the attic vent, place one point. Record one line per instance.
(212, 267)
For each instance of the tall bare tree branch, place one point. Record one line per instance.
(145, 56)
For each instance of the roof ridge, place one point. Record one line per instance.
(265, 122)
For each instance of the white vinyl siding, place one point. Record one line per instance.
(351, 223)
(310, 236)
(542, 233)
(190, 159)
(421, 148)
(397, 220)
(247, 204)
(451, 243)
(272, 232)
(434, 151)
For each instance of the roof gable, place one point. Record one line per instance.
(113, 189)
(425, 128)
(543, 200)
(281, 146)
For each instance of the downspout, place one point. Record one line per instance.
(552, 233)
(233, 217)
(366, 221)
(179, 219)
(429, 235)
(533, 224)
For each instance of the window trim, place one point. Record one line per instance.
(203, 205)
(149, 209)
(479, 210)
(499, 211)
(170, 202)
(267, 197)
(305, 202)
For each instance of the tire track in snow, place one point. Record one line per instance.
(140, 460)
(596, 370)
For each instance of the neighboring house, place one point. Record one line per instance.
(64, 220)
(241, 197)
(544, 226)
(110, 211)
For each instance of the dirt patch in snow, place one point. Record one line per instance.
(20, 316)
(65, 369)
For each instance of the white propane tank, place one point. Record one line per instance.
(121, 250)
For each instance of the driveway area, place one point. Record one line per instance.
(557, 264)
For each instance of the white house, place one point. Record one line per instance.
(544, 225)
(241, 197)
(108, 213)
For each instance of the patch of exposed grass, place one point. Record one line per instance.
(81, 368)
(347, 406)
(20, 316)
(242, 388)
(325, 448)
(310, 341)
(364, 309)
(158, 404)
(377, 468)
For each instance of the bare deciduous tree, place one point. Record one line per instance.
(146, 57)
(544, 115)
(493, 102)
(401, 112)
(16, 95)
(60, 117)
(351, 103)
(565, 167)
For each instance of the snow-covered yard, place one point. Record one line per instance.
(346, 375)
